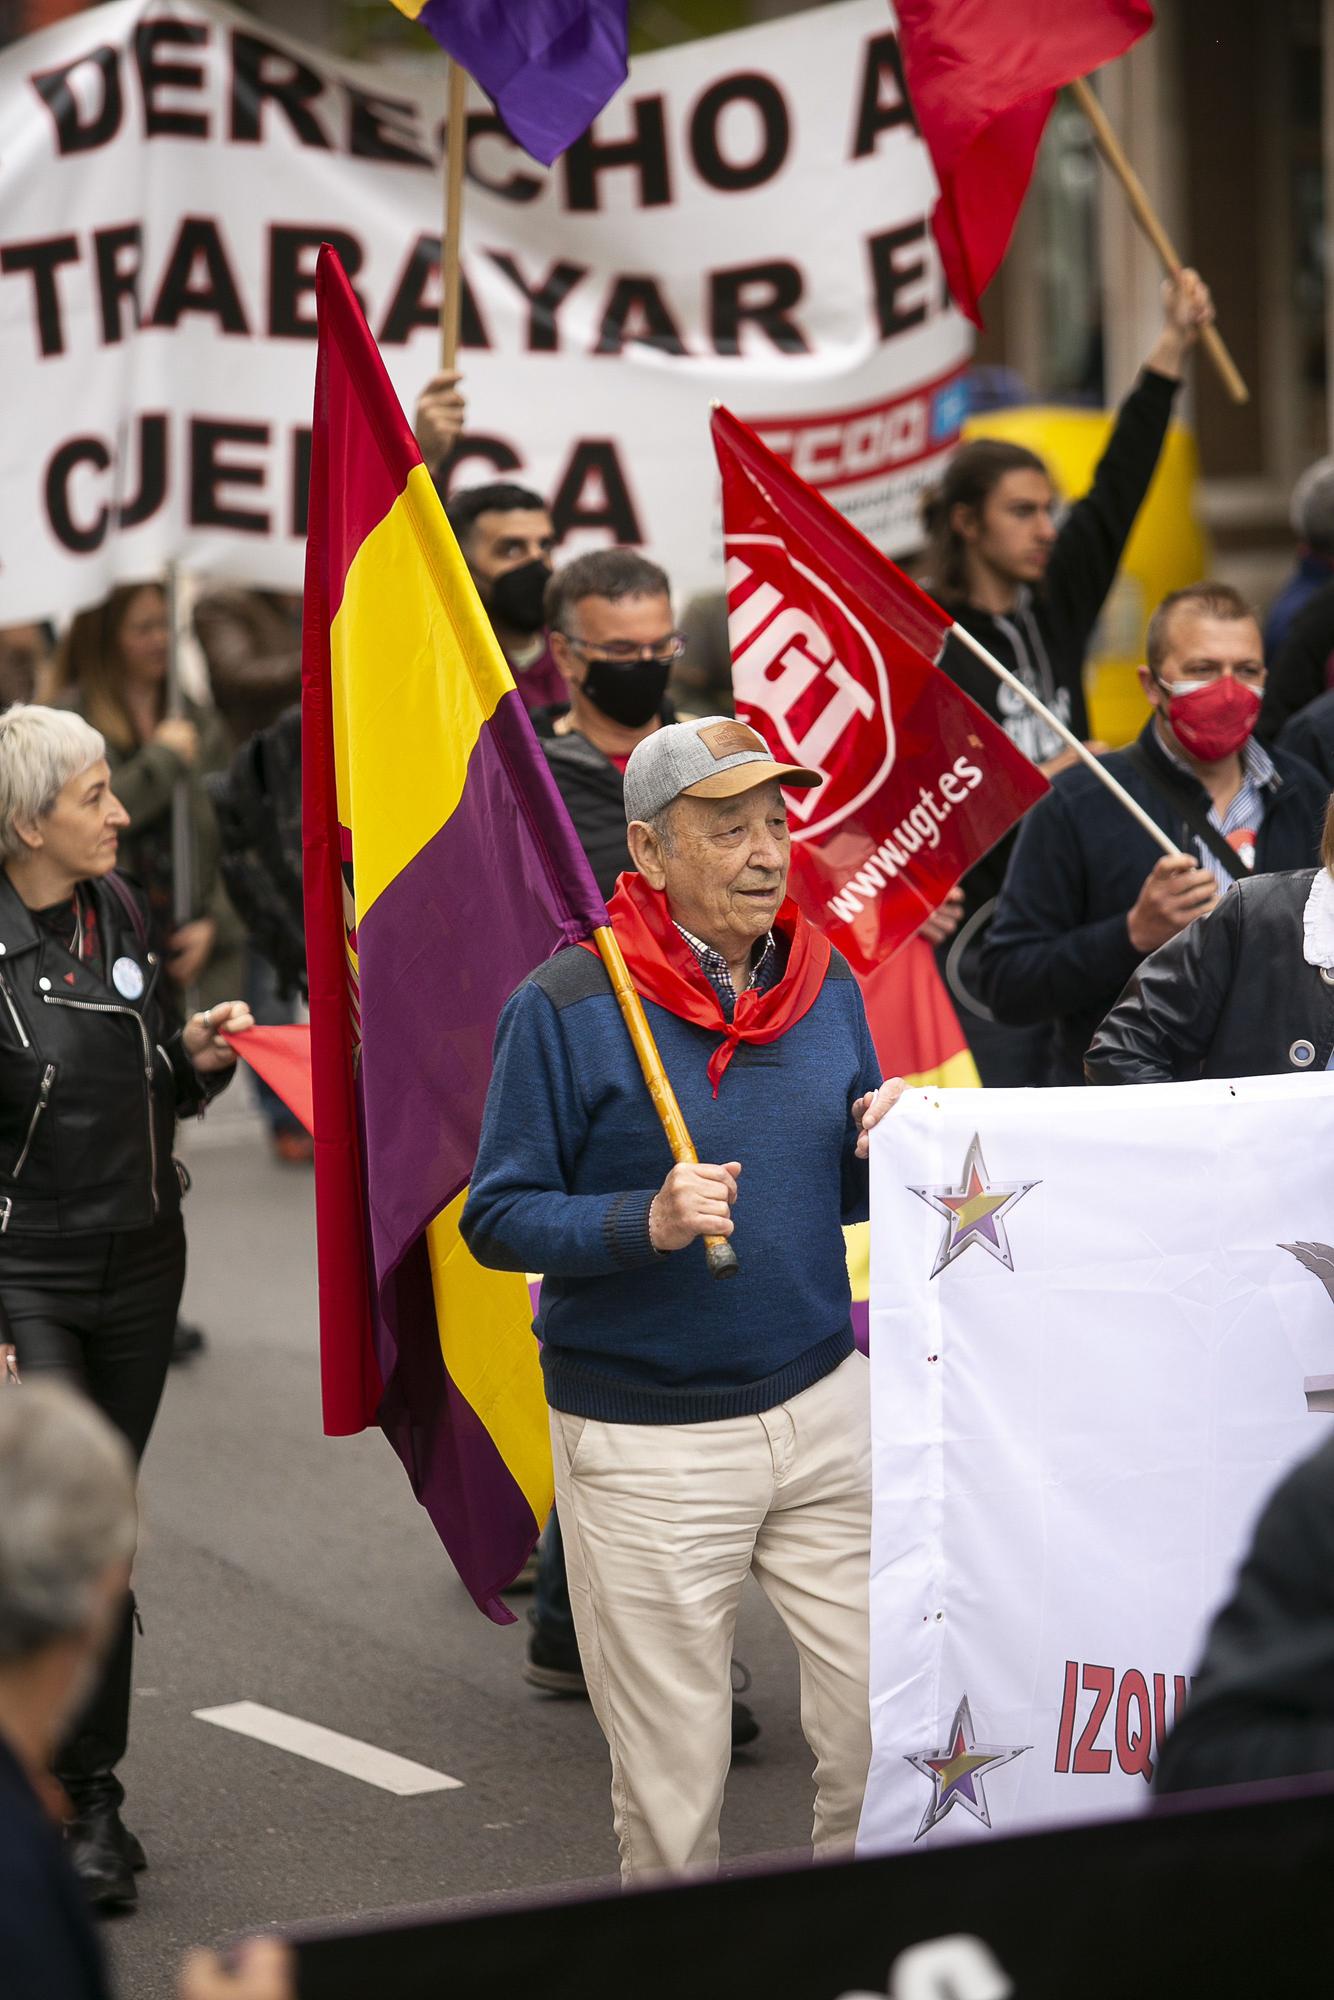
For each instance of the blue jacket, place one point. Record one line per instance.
(1058, 949)
(572, 1155)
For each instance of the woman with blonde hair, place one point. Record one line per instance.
(92, 1079)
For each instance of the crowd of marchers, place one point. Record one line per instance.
(700, 1434)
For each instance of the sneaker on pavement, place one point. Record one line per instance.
(553, 1664)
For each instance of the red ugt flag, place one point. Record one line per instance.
(834, 661)
(983, 76)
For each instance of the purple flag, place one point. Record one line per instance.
(548, 66)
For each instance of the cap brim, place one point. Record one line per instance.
(745, 777)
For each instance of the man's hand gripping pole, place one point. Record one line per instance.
(722, 1258)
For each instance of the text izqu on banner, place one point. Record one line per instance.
(1092, 1347)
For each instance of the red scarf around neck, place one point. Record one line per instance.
(665, 969)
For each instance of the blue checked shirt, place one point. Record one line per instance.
(764, 970)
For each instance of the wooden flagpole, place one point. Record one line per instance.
(722, 1258)
(452, 237)
(1067, 736)
(1146, 216)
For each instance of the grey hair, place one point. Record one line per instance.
(1312, 511)
(661, 826)
(67, 1512)
(41, 749)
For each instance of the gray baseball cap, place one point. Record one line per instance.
(713, 758)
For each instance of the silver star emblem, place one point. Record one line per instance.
(956, 1771)
(974, 1211)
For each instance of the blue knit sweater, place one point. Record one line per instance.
(572, 1155)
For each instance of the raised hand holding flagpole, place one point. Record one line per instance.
(722, 1258)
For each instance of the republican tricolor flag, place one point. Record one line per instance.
(440, 868)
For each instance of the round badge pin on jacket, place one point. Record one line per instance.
(127, 976)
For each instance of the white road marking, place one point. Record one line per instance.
(325, 1746)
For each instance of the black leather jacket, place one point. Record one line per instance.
(91, 1079)
(1231, 995)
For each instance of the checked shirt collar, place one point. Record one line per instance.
(763, 972)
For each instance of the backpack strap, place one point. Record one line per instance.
(1192, 813)
(129, 902)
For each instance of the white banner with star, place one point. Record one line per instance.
(1102, 1327)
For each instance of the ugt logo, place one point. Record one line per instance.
(809, 676)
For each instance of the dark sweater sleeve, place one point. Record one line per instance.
(1039, 962)
(520, 1214)
(1160, 1029)
(1095, 531)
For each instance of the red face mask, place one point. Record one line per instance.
(1213, 720)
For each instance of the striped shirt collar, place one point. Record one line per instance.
(1246, 811)
(1257, 766)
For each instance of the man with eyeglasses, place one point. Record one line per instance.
(1088, 895)
(609, 621)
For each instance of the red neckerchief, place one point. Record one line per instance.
(665, 969)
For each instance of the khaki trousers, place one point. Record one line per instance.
(662, 1524)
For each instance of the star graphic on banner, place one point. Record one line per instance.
(956, 1773)
(974, 1211)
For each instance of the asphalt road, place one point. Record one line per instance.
(281, 1567)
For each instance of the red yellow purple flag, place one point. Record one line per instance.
(441, 867)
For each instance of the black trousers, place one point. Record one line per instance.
(99, 1311)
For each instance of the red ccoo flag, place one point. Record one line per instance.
(983, 76)
(834, 657)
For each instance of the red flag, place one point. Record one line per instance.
(280, 1057)
(833, 661)
(913, 1024)
(983, 76)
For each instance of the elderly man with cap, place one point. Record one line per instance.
(701, 1431)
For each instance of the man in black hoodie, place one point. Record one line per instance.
(1031, 593)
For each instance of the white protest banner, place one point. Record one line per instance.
(746, 221)
(1092, 1348)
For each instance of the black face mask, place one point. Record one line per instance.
(516, 597)
(630, 693)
